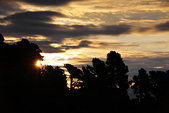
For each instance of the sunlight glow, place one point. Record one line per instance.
(132, 84)
(158, 67)
(54, 59)
(38, 63)
(55, 45)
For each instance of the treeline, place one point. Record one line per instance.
(102, 87)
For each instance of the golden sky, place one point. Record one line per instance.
(75, 31)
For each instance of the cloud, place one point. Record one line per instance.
(29, 24)
(8, 7)
(163, 26)
(153, 28)
(164, 0)
(149, 63)
(45, 47)
(31, 17)
(33, 24)
(100, 30)
(48, 48)
(37, 2)
(82, 44)
(55, 47)
(47, 2)
(129, 16)
(163, 3)
(144, 29)
(115, 45)
(38, 23)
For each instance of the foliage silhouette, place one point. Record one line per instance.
(142, 85)
(1, 38)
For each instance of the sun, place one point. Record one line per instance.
(38, 63)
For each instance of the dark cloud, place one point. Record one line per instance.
(119, 44)
(164, 0)
(29, 24)
(163, 3)
(36, 2)
(157, 28)
(47, 2)
(163, 26)
(83, 43)
(144, 29)
(46, 47)
(85, 30)
(8, 7)
(37, 23)
(27, 18)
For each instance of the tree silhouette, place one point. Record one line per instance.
(101, 87)
(89, 78)
(142, 85)
(18, 72)
(117, 70)
(160, 86)
(74, 73)
(159, 83)
(1, 38)
(54, 80)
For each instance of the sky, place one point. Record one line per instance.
(75, 31)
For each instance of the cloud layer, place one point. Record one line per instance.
(163, 26)
(38, 23)
(8, 7)
(47, 2)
